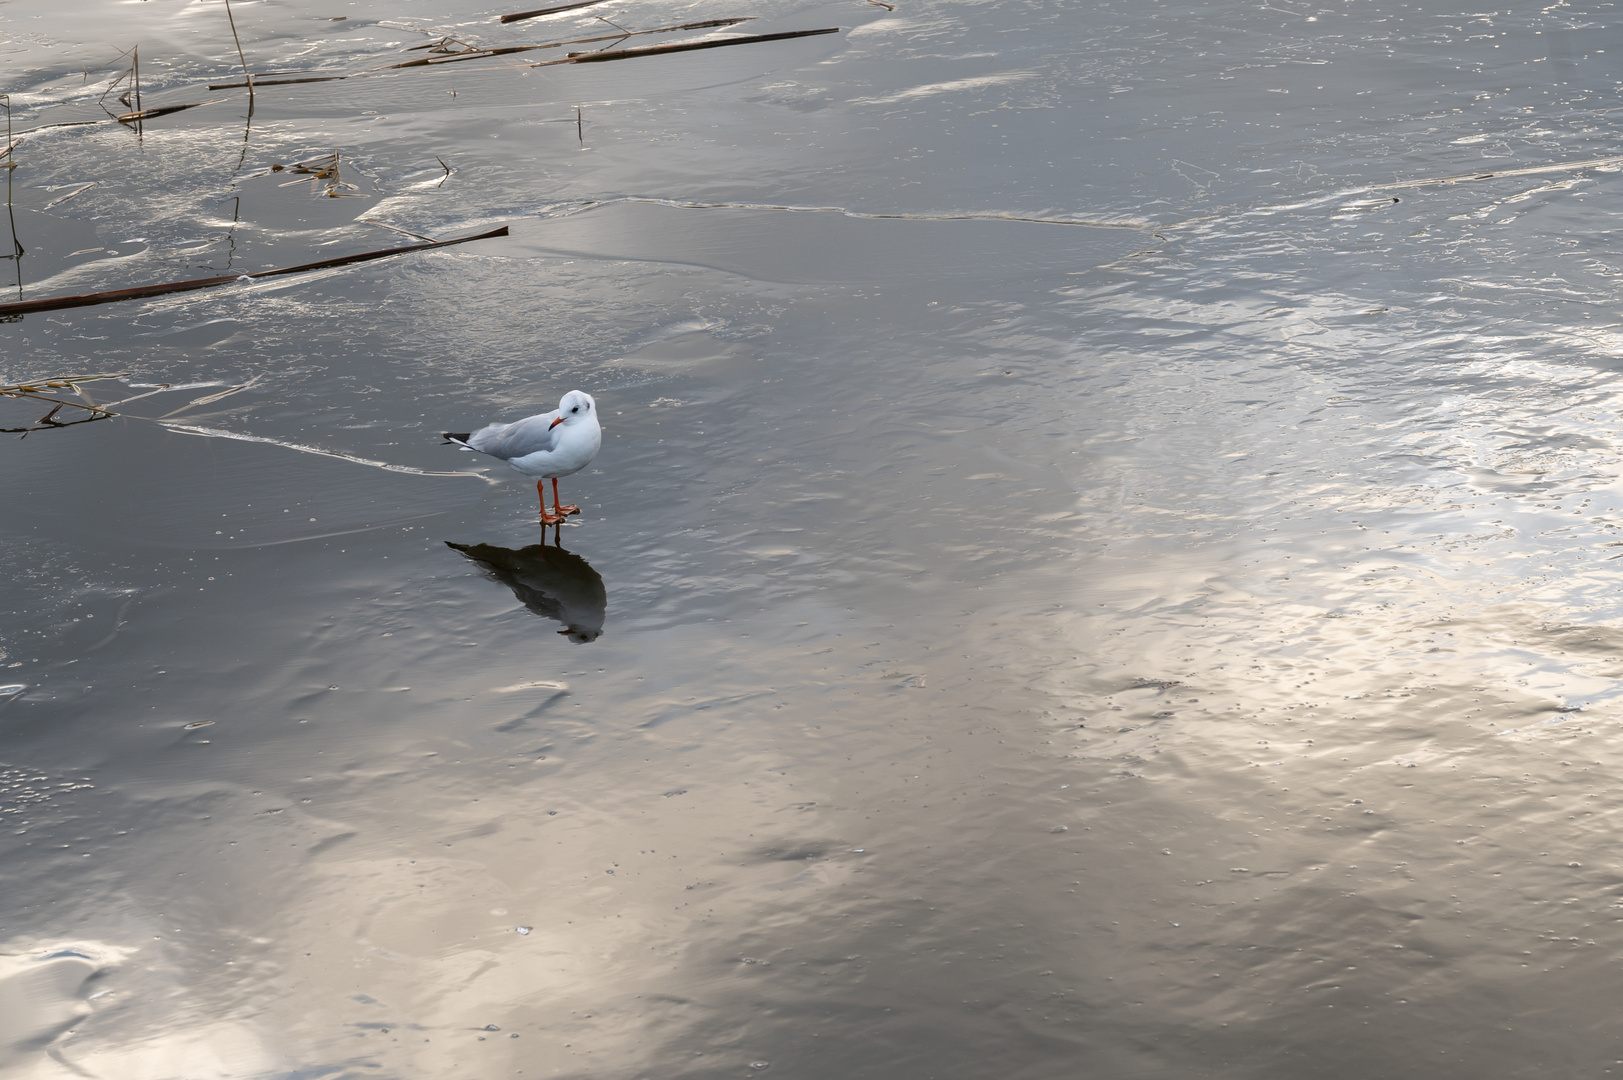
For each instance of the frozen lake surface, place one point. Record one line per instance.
(1100, 564)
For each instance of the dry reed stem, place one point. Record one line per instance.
(142, 292)
(63, 124)
(540, 12)
(35, 391)
(137, 397)
(395, 228)
(307, 165)
(323, 168)
(661, 50)
(69, 195)
(216, 433)
(210, 399)
(30, 392)
(59, 382)
(48, 422)
(1592, 163)
(16, 255)
(480, 54)
(127, 73)
(443, 45)
(148, 114)
(246, 74)
(277, 82)
(135, 66)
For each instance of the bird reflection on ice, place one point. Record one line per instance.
(550, 581)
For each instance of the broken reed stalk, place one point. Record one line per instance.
(48, 422)
(661, 50)
(36, 391)
(47, 127)
(135, 66)
(471, 54)
(443, 45)
(11, 143)
(277, 82)
(148, 114)
(60, 382)
(16, 255)
(142, 292)
(1592, 163)
(207, 399)
(246, 74)
(33, 391)
(127, 73)
(326, 168)
(480, 54)
(76, 191)
(395, 228)
(539, 12)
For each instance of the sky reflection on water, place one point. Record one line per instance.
(1079, 578)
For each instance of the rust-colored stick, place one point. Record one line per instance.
(142, 292)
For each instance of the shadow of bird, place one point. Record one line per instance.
(554, 583)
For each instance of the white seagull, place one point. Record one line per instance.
(546, 446)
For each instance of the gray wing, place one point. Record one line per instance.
(515, 440)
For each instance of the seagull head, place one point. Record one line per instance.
(575, 405)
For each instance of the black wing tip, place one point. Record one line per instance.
(456, 437)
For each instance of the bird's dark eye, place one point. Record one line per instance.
(575, 409)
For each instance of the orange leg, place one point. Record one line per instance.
(563, 511)
(547, 517)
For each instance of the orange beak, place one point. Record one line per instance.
(555, 423)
